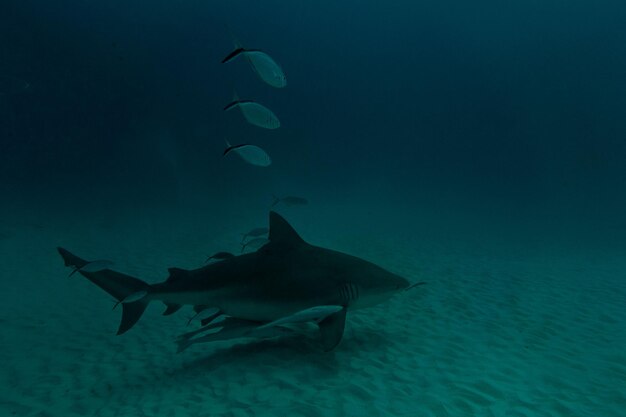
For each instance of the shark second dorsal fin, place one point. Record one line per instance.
(281, 231)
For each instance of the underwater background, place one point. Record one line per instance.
(477, 146)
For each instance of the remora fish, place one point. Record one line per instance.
(288, 280)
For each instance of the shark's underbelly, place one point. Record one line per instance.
(247, 304)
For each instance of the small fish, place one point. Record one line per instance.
(219, 256)
(252, 154)
(131, 298)
(254, 243)
(93, 266)
(256, 232)
(264, 65)
(290, 201)
(254, 113)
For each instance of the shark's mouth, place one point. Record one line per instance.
(414, 285)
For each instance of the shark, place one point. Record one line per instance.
(258, 294)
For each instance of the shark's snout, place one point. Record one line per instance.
(400, 283)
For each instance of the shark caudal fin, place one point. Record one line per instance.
(120, 286)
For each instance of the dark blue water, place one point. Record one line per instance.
(519, 102)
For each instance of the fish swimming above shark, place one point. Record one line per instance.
(254, 113)
(257, 294)
(256, 232)
(262, 64)
(255, 243)
(252, 154)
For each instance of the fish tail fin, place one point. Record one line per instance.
(276, 200)
(238, 47)
(229, 148)
(236, 43)
(118, 285)
(233, 103)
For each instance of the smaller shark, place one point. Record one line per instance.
(258, 294)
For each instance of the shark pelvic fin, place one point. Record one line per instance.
(281, 231)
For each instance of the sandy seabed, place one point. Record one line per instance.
(527, 334)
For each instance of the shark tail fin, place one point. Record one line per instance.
(131, 313)
(70, 259)
(118, 285)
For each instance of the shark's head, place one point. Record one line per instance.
(375, 284)
(361, 283)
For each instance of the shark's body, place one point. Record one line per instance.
(286, 280)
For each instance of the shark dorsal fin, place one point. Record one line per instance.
(281, 231)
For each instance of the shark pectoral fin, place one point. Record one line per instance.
(332, 328)
(171, 309)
